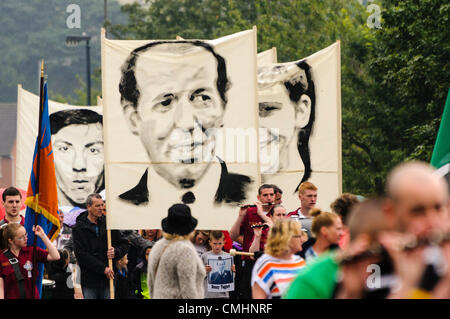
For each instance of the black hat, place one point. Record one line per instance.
(179, 220)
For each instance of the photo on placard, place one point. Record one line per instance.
(220, 278)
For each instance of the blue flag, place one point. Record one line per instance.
(42, 205)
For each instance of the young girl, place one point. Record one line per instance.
(13, 240)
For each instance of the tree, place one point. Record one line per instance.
(409, 80)
(35, 30)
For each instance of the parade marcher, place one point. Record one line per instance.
(278, 194)
(139, 275)
(343, 274)
(248, 216)
(327, 230)
(342, 206)
(12, 202)
(136, 244)
(58, 272)
(175, 271)
(151, 234)
(201, 241)
(307, 194)
(16, 261)
(122, 282)
(278, 266)
(417, 207)
(91, 249)
(216, 242)
(278, 212)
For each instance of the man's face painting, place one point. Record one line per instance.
(277, 118)
(280, 118)
(79, 160)
(178, 104)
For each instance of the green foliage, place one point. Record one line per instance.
(36, 30)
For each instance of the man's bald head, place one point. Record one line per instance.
(417, 198)
(411, 174)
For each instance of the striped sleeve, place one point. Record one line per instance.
(274, 275)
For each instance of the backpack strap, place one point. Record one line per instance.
(162, 253)
(19, 277)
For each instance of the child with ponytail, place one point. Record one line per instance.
(16, 261)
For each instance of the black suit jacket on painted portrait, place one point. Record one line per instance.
(232, 188)
(221, 278)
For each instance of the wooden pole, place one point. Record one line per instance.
(104, 103)
(110, 265)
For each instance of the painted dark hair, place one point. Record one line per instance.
(296, 90)
(61, 119)
(128, 84)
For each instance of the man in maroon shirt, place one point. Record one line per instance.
(307, 194)
(12, 201)
(247, 217)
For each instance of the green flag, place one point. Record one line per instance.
(441, 152)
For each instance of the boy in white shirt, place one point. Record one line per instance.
(216, 242)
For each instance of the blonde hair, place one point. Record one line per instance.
(176, 237)
(306, 185)
(322, 219)
(8, 232)
(280, 235)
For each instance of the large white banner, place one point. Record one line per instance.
(267, 57)
(180, 125)
(300, 109)
(77, 140)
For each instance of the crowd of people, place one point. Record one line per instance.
(393, 246)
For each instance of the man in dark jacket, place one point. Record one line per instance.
(91, 249)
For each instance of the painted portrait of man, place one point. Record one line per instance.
(77, 138)
(221, 272)
(286, 105)
(174, 108)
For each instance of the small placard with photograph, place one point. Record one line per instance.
(220, 278)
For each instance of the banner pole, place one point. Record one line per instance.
(105, 103)
(110, 265)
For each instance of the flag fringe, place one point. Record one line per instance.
(31, 203)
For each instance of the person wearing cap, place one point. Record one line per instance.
(175, 271)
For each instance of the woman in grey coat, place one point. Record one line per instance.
(175, 271)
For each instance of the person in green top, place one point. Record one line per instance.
(340, 274)
(144, 288)
(139, 275)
